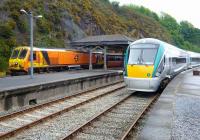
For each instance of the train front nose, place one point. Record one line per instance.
(15, 64)
(139, 78)
(142, 84)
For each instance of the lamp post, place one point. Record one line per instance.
(30, 16)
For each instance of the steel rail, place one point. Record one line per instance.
(69, 136)
(14, 114)
(139, 116)
(29, 125)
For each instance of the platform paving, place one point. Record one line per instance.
(15, 82)
(176, 114)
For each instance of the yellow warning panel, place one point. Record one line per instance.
(140, 71)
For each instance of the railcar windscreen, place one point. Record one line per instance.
(142, 54)
(22, 54)
(15, 54)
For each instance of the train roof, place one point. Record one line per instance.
(148, 40)
(193, 54)
(167, 46)
(171, 50)
(49, 49)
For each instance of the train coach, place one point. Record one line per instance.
(194, 59)
(56, 59)
(151, 63)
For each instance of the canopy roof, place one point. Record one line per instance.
(103, 40)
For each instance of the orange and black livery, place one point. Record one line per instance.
(56, 59)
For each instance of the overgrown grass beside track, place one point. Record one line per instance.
(2, 74)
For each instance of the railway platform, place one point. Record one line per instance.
(176, 113)
(20, 91)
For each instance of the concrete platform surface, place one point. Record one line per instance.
(176, 114)
(10, 83)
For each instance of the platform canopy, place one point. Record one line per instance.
(104, 40)
(105, 43)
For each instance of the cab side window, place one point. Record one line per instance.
(161, 66)
(34, 56)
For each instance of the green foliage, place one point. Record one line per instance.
(190, 33)
(43, 26)
(183, 34)
(5, 31)
(3, 64)
(145, 11)
(4, 49)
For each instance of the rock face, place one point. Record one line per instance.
(64, 21)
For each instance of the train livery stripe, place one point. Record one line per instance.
(126, 60)
(46, 57)
(159, 55)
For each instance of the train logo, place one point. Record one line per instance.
(148, 74)
(76, 58)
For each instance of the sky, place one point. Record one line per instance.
(179, 9)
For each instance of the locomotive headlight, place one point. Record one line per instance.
(16, 63)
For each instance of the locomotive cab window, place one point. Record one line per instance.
(23, 54)
(34, 56)
(143, 54)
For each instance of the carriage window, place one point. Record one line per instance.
(15, 54)
(23, 54)
(178, 60)
(195, 59)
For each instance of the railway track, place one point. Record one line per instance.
(116, 122)
(111, 113)
(12, 124)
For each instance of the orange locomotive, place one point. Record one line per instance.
(45, 59)
(56, 59)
